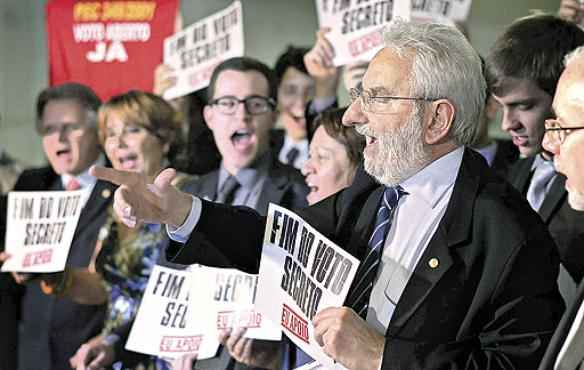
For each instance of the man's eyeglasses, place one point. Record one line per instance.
(254, 104)
(380, 104)
(555, 133)
(61, 128)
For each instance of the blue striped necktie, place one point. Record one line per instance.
(359, 294)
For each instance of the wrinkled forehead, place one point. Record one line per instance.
(569, 98)
(388, 72)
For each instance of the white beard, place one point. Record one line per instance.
(576, 200)
(401, 152)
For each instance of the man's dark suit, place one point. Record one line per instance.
(284, 186)
(553, 350)
(565, 224)
(51, 329)
(505, 156)
(492, 302)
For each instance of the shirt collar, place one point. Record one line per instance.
(248, 176)
(84, 178)
(540, 161)
(301, 145)
(432, 182)
(488, 152)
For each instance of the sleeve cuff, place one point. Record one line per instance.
(182, 233)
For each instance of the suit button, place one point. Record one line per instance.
(433, 263)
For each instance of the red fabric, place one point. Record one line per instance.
(70, 56)
(72, 184)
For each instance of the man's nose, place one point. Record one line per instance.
(509, 120)
(354, 114)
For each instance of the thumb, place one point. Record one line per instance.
(97, 361)
(163, 181)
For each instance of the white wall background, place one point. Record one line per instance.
(269, 25)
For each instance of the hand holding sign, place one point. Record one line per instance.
(571, 10)
(319, 64)
(348, 339)
(264, 354)
(140, 200)
(95, 354)
(164, 78)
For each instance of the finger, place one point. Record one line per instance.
(322, 32)
(328, 48)
(324, 314)
(224, 336)
(97, 361)
(114, 176)
(4, 256)
(234, 337)
(247, 350)
(122, 209)
(164, 180)
(238, 347)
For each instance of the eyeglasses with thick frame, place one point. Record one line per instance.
(253, 104)
(555, 133)
(380, 104)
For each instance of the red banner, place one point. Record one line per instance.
(112, 46)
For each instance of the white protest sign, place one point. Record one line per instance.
(195, 52)
(225, 300)
(453, 10)
(441, 11)
(301, 272)
(355, 27)
(39, 229)
(162, 326)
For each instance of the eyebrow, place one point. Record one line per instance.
(381, 90)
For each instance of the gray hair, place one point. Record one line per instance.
(446, 66)
(574, 54)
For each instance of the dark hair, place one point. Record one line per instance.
(533, 48)
(292, 57)
(244, 64)
(149, 111)
(67, 91)
(331, 121)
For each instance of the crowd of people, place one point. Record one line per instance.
(471, 249)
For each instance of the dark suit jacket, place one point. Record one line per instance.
(565, 224)
(53, 329)
(492, 302)
(549, 359)
(507, 154)
(284, 186)
(277, 135)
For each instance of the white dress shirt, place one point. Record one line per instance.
(85, 180)
(289, 144)
(415, 221)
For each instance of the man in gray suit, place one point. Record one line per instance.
(241, 113)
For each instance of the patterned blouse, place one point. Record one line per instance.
(125, 263)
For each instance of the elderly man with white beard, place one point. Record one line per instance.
(457, 271)
(565, 139)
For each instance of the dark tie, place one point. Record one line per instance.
(358, 298)
(291, 156)
(227, 193)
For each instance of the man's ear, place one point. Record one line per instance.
(208, 115)
(439, 124)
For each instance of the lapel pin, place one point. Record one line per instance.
(433, 263)
(106, 193)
